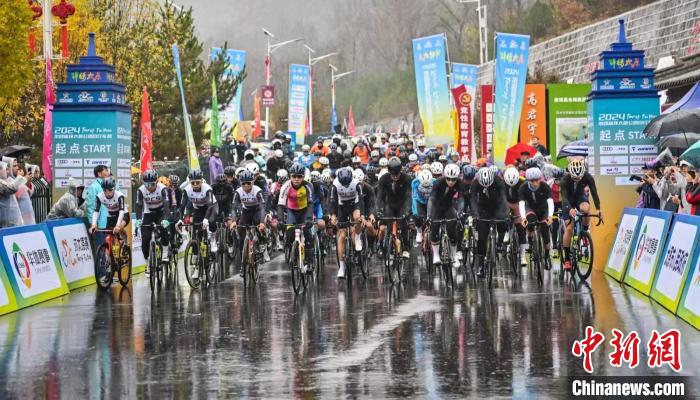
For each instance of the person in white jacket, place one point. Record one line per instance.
(9, 208)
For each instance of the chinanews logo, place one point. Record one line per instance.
(21, 263)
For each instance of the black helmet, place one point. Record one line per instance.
(109, 183)
(196, 175)
(468, 172)
(371, 170)
(246, 176)
(174, 180)
(230, 171)
(221, 178)
(333, 146)
(150, 176)
(297, 169)
(214, 149)
(347, 153)
(394, 166)
(344, 176)
(531, 163)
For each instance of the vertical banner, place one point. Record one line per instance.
(298, 100)
(47, 149)
(215, 124)
(351, 122)
(533, 120)
(466, 74)
(487, 121)
(146, 134)
(647, 247)
(430, 63)
(256, 116)
(463, 104)
(568, 116)
(231, 114)
(192, 157)
(511, 73)
(627, 232)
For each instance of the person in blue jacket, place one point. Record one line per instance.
(421, 187)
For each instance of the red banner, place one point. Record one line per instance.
(464, 125)
(487, 112)
(256, 113)
(351, 122)
(146, 134)
(47, 149)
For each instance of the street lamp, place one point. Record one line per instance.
(335, 77)
(312, 62)
(268, 70)
(481, 15)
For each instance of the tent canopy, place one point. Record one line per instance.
(690, 101)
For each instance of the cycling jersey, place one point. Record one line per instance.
(422, 154)
(367, 200)
(158, 201)
(319, 199)
(116, 208)
(345, 197)
(538, 201)
(394, 195)
(490, 202)
(251, 202)
(444, 198)
(513, 192)
(574, 193)
(202, 204)
(296, 198)
(223, 192)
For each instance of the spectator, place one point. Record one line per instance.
(535, 142)
(241, 146)
(90, 195)
(692, 193)
(71, 204)
(671, 190)
(647, 195)
(319, 147)
(23, 194)
(216, 166)
(9, 208)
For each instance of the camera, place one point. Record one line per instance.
(636, 178)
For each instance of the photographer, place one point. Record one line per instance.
(670, 189)
(647, 195)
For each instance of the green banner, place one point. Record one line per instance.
(215, 138)
(568, 115)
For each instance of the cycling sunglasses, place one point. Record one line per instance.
(246, 183)
(451, 179)
(298, 176)
(150, 184)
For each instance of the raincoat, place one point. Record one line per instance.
(9, 208)
(23, 195)
(67, 206)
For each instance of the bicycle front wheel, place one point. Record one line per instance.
(390, 259)
(124, 267)
(294, 264)
(103, 267)
(445, 253)
(153, 265)
(538, 256)
(584, 255)
(364, 258)
(491, 259)
(192, 265)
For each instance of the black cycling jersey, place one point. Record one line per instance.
(392, 194)
(224, 197)
(368, 200)
(490, 202)
(536, 201)
(513, 192)
(443, 198)
(573, 192)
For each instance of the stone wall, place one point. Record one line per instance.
(667, 27)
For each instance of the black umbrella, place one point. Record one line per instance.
(678, 142)
(684, 122)
(577, 148)
(15, 150)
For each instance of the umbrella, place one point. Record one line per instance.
(14, 150)
(577, 148)
(678, 142)
(677, 122)
(692, 155)
(513, 153)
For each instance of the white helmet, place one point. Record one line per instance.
(253, 167)
(239, 170)
(420, 143)
(486, 177)
(358, 174)
(279, 153)
(452, 171)
(511, 176)
(305, 147)
(577, 168)
(424, 176)
(327, 176)
(375, 153)
(436, 168)
(249, 152)
(376, 146)
(425, 167)
(323, 160)
(494, 169)
(383, 162)
(356, 160)
(282, 174)
(315, 176)
(307, 174)
(533, 174)
(412, 157)
(392, 141)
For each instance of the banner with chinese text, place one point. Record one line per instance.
(466, 74)
(230, 116)
(298, 100)
(647, 247)
(463, 105)
(568, 116)
(511, 73)
(487, 121)
(533, 120)
(689, 306)
(627, 232)
(72, 242)
(434, 106)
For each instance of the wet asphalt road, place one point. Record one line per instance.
(368, 340)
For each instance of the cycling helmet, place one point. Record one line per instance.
(221, 178)
(425, 167)
(305, 147)
(436, 168)
(383, 162)
(108, 183)
(333, 146)
(196, 175)
(239, 170)
(323, 161)
(247, 153)
(392, 141)
(174, 180)
(356, 160)
(486, 177)
(230, 171)
(297, 169)
(511, 176)
(358, 174)
(412, 157)
(494, 169)
(246, 176)
(276, 142)
(253, 167)
(279, 153)
(327, 176)
(442, 158)
(375, 153)
(425, 176)
(282, 175)
(468, 172)
(150, 176)
(420, 143)
(315, 176)
(533, 174)
(376, 146)
(452, 171)
(371, 169)
(394, 166)
(532, 163)
(577, 168)
(347, 153)
(344, 176)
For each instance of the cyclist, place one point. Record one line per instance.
(536, 203)
(488, 201)
(324, 163)
(421, 187)
(574, 198)
(115, 203)
(335, 157)
(468, 175)
(346, 193)
(383, 164)
(374, 158)
(319, 199)
(231, 177)
(436, 169)
(413, 165)
(248, 209)
(514, 183)
(296, 200)
(446, 202)
(200, 202)
(223, 192)
(394, 200)
(306, 159)
(421, 151)
(367, 203)
(153, 207)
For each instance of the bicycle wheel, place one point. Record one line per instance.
(445, 253)
(491, 256)
(245, 260)
(389, 259)
(253, 261)
(192, 264)
(364, 257)
(538, 255)
(210, 263)
(584, 255)
(124, 267)
(427, 252)
(294, 264)
(318, 259)
(153, 264)
(103, 267)
(514, 250)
